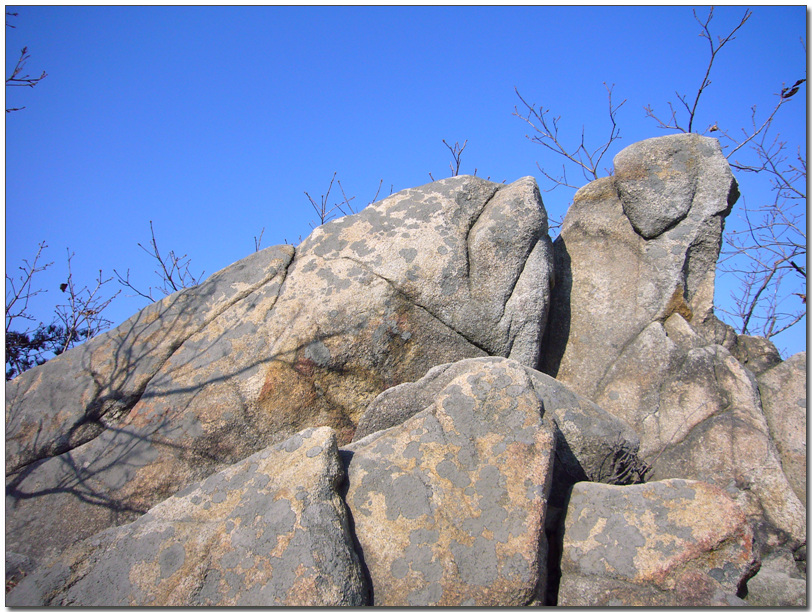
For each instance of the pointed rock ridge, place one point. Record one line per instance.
(669, 543)
(699, 416)
(270, 530)
(633, 249)
(449, 506)
(273, 344)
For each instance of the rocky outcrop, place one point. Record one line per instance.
(449, 506)
(278, 342)
(783, 399)
(632, 327)
(666, 543)
(268, 531)
(698, 413)
(360, 420)
(635, 248)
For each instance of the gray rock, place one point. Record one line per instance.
(661, 179)
(698, 413)
(72, 398)
(271, 530)
(668, 543)
(757, 354)
(783, 399)
(616, 273)
(591, 443)
(271, 345)
(449, 506)
(777, 583)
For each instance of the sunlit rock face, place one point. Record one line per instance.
(429, 403)
(282, 340)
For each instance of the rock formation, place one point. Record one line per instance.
(362, 420)
(666, 543)
(273, 344)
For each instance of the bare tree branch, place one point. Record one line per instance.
(547, 134)
(172, 270)
(673, 122)
(456, 153)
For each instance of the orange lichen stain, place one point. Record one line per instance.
(678, 304)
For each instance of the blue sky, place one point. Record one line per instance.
(212, 122)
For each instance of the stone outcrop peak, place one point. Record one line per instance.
(429, 402)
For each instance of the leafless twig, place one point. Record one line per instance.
(172, 270)
(673, 122)
(547, 134)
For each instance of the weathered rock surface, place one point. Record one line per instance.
(635, 248)
(449, 506)
(783, 399)
(589, 439)
(698, 413)
(415, 326)
(667, 543)
(275, 343)
(270, 530)
(632, 326)
(778, 583)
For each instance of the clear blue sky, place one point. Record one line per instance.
(212, 122)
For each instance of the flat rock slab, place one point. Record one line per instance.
(668, 543)
(449, 506)
(269, 531)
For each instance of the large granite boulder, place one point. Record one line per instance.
(635, 248)
(276, 343)
(270, 530)
(783, 399)
(632, 327)
(592, 444)
(667, 543)
(449, 506)
(698, 413)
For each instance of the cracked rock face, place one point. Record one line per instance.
(449, 506)
(669, 543)
(699, 415)
(270, 530)
(275, 343)
(635, 248)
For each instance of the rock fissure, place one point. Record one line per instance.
(413, 301)
(204, 466)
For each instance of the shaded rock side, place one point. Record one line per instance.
(271, 345)
(269, 531)
(699, 416)
(783, 400)
(635, 248)
(449, 506)
(778, 583)
(71, 399)
(668, 543)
